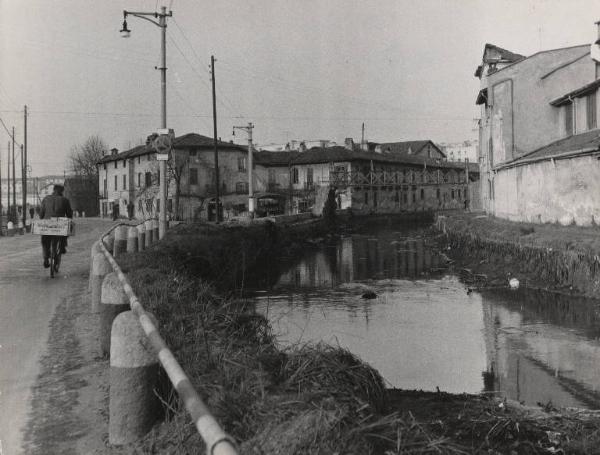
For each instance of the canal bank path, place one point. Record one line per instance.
(50, 377)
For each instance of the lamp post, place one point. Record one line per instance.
(125, 33)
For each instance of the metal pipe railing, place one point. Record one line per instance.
(217, 441)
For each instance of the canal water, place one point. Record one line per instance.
(427, 330)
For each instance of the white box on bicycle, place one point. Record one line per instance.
(54, 226)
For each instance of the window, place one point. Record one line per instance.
(139, 180)
(366, 198)
(422, 194)
(241, 188)
(568, 119)
(149, 204)
(295, 177)
(437, 194)
(105, 188)
(140, 206)
(193, 153)
(309, 176)
(115, 165)
(241, 164)
(491, 151)
(148, 181)
(271, 176)
(591, 111)
(414, 196)
(124, 163)
(115, 183)
(193, 176)
(104, 166)
(139, 161)
(452, 194)
(374, 198)
(124, 182)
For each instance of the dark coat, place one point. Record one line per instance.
(55, 205)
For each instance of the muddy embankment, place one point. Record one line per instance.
(307, 399)
(544, 257)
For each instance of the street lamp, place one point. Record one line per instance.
(160, 20)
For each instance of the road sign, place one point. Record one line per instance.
(163, 143)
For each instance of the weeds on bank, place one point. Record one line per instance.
(309, 399)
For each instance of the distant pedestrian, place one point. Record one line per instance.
(31, 212)
(115, 209)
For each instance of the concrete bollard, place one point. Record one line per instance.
(133, 405)
(109, 242)
(120, 246)
(113, 302)
(155, 234)
(132, 240)
(95, 249)
(141, 236)
(149, 233)
(100, 268)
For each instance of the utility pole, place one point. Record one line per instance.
(14, 175)
(24, 160)
(248, 130)
(23, 189)
(1, 204)
(214, 100)
(8, 182)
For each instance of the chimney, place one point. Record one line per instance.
(302, 147)
(349, 143)
(598, 25)
(114, 151)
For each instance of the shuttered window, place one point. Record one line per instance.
(569, 119)
(591, 111)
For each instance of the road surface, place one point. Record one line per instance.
(45, 359)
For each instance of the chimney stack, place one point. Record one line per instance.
(349, 143)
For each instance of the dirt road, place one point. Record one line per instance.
(50, 375)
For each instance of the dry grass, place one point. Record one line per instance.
(312, 399)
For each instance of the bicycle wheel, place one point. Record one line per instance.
(54, 256)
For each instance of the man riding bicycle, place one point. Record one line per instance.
(54, 205)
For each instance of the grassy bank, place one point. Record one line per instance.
(552, 257)
(310, 399)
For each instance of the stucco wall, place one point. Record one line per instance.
(563, 191)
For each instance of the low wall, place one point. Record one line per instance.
(555, 191)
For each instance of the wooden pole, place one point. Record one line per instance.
(214, 102)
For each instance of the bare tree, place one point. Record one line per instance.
(83, 157)
(177, 165)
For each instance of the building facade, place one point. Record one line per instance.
(539, 135)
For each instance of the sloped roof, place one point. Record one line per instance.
(505, 55)
(403, 148)
(338, 154)
(190, 140)
(194, 140)
(267, 158)
(588, 88)
(570, 146)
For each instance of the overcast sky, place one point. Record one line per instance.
(304, 70)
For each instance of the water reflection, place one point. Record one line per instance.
(361, 257)
(425, 331)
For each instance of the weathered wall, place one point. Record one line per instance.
(564, 191)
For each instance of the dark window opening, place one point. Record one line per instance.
(193, 176)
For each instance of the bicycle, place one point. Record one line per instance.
(55, 254)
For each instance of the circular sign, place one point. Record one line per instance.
(162, 143)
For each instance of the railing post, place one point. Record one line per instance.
(155, 228)
(149, 233)
(100, 268)
(109, 241)
(120, 246)
(133, 404)
(141, 236)
(132, 240)
(95, 249)
(114, 301)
